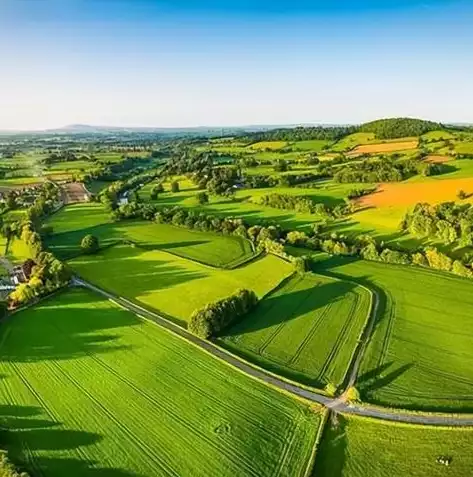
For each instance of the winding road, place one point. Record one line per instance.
(338, 404)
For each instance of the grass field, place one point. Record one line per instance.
(174, 285)
(421, 353)
(314, 145)
(71, 223)
(306, 330)
(88, 389)
(464, 148)
(380, 148)
(272, 145)
(18, 251)
(362, 447)
(352, 140)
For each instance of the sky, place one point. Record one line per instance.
(226, 63)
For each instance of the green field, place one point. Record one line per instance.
(306, 330)
(421, 353)
(362, 447)
(464, 148)
(314, 145)
(352, 140)
(438, 135)
(71, 223)
(173, 285)
(272, 145)
(88, 389)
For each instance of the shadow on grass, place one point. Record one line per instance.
(25, 433)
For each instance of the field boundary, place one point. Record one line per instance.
(318, 439)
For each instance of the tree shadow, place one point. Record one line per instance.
(377, 378)
(332, 453)
(280, 307)
(29, 440)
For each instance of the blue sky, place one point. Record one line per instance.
(189, 63)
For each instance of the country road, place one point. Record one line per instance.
(334, 404)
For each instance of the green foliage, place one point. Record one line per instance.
(90, 244)
(352, 395)
(210, 321)
(7, 469)
(117, 382)
(202, 198)
(174, 186)
(399, 127)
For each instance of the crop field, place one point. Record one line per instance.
(273, 145)
(438, 135)
(421, 353)
(464, 148)
(71, 223)
(89, 389)
(407, 194)
(71, 166)
(173, 285)
(437, 159)
(361, 447)
(314, 145)
(307, 330)
(379, 148)
(352, 140)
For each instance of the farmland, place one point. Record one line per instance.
(306, 330)
(89, 389)
(377, 148)
(360, 447)
(173, 285)
(73, 222)
(421, 353)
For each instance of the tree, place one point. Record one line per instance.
(90, 244)
(174, 186)
(352, 395)
(202, 198)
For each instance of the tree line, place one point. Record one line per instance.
(213, 318)
(448, 222)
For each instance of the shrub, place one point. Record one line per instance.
(90, 244)
(202, 198)
(213, 318)
(174, 186)
(353, 395)
(7, 469)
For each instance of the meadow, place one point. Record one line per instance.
(379, 148)
(306, 330)
(352, 140)
(89, 389)
(361, 447)
(420, 355)
(71, 223)
(173, 285)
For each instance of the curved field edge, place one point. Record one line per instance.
(415, 359)
(73, 222)
(321, 319)
(172, 285)
(89, 386)
(350, 442)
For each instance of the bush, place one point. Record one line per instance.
(213, 318)
(202, 198)
(90, 244)
(7, 469)
(353, 395)
(174, 186)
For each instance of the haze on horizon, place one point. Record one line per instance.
(143, 63)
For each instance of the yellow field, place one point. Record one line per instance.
(273, 145)
(386, 147)
(433, 192)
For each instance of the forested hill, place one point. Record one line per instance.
(399, 127)
(329, 133)
(382, 128)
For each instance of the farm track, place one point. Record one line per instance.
(334, 404)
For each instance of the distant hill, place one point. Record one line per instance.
(392, 128)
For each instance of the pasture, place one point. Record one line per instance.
(379, 148)
(438, 135)
(313, 145)
(174, 285)
(421, 352)
(352, 140)
(268, 145)
(464, 148)
(89, 389)
(71, 223)
(306, 330)
(362, 447)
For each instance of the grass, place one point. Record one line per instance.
(421, 352)
(174, 285)
(18, 251)
(351, 141)
(377, 148)
(272, 145)
(71, 223)
(88, 389)
(438, 135)
(464, 148)
(360, 447)
(314, 145)
(306, 330)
